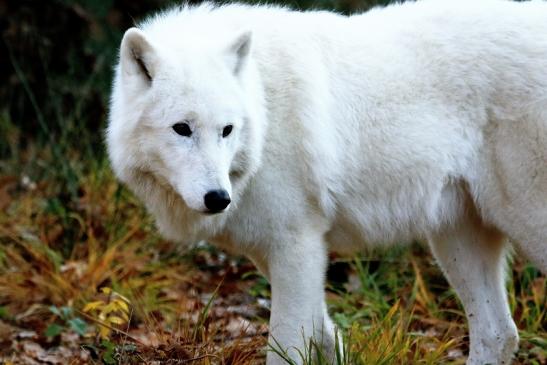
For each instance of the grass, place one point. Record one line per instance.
(60, 250)
(114, 245)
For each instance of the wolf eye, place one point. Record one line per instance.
(227, 130)
(182, 129)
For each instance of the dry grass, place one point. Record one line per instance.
(115, 247)
(201, 307)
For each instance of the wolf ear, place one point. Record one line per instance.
(239, 50)
(137, 56)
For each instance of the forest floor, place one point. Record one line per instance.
(85, 279)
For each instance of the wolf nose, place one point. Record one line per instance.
(217, 200)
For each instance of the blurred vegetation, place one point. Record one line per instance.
(69, 232)
(57, 58)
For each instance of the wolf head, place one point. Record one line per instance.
(187, 114)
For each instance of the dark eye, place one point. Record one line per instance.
(182, 129)
(227, 130)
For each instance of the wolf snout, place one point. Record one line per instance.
(217, 200)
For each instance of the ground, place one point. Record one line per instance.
(85, 278)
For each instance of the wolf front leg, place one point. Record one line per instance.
(472, 257)
(296, 269)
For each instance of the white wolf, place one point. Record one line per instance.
(312, 131)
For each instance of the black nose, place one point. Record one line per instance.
(217, 200)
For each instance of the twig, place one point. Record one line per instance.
(198, 358)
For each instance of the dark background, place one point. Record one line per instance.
(56, 59)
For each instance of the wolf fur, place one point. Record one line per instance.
(423, 120)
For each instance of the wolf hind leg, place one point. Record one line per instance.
(472, 257)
